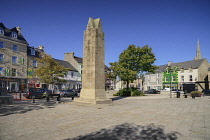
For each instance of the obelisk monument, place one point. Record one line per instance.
(93, 73)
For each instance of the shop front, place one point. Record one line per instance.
(13, 84)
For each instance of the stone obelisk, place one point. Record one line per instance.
(93, 73)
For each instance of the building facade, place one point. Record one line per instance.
(13, 59)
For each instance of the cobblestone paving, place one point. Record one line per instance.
(149, 117)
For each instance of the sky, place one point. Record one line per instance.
(170, 27)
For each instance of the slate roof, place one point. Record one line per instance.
(194, 64)
(8, 32)
(66, 64)
(79, 60)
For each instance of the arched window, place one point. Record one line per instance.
(1, 31)
(14, 35)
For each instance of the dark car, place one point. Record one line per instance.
(152, 91)
(37, 92)
(68, 93)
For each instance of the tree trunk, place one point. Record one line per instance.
(127, 84)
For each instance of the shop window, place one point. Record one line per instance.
(1, 44)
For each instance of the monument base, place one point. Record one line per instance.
(93, 101)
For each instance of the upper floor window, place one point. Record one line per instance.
(1, 44)
(1, 70)
(166, 79)
(7, 72)
(72, 74)
(190, 78)
(182, 78)
(34, 64)
(14, 47)
(32, 51)
(1, 57)
(14, 35)
(173, 78)
(14, 60)
(14, 71)
(22, 60)
(1, 31)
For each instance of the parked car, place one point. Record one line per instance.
(68, 93)
(152, 91)
(37, 92)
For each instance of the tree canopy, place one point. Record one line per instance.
(49, 71)
(133, 61)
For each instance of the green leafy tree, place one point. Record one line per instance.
(49, 71)
(133, 61)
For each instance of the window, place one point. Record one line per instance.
(1, 31)
(22, 60)
(173, 78)
(1, 70)
(182, 78)
(6, 72)
(72, 74)
(1, 44)
(166, 79)
(14, 35)
(158, 81)
(1, 57)
(32, 51)
(14, 72)
(34, 63)
(14, 60)
(190, 78)
(14, 47)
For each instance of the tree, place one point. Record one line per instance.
(133, 61)
(49, 71)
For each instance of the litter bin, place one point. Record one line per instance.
(178, 94)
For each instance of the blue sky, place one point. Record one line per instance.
(170, 27)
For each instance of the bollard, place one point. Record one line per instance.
(48, 98)
(72, 97)
(58, 98)
(33, 97)
(20, 95)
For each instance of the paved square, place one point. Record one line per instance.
(149, 117)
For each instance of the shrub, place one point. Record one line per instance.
(128, 92)
(195, 93)
(136, 93)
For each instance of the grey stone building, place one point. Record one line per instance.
(13, 59)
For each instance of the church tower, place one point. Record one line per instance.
(198, 53)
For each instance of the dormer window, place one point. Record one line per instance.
(1, 31)
(32, 51)
(14, 35)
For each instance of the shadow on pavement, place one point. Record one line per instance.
(118, 98)
(24, 106)
(128, 131)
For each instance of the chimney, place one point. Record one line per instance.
(169, 63)
(41, 47)
(19, 29)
